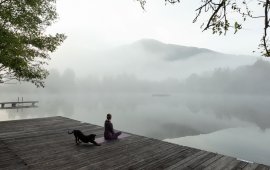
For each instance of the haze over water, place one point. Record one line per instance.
(158, 75)
(223, 110)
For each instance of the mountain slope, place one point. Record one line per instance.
(168, 51)
(153, 60)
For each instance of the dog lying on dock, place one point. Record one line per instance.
(80, 137)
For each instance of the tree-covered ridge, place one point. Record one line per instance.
(24, 45)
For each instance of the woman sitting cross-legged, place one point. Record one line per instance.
(109, 133)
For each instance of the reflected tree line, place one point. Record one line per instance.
(226, 94)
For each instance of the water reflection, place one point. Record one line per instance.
(249, 108)
(160, 117)
(249, 143)
(244, 118)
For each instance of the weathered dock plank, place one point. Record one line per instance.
(44, 143)
(9, 159)
(208, 162)
(250, 166)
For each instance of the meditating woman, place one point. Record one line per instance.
(109, 133)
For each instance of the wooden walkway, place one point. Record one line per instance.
(44, 144)
(16, 105)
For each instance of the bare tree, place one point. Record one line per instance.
(218, 13)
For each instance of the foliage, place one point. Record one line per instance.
(220, 21)
(24, 45)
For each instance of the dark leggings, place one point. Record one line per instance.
(113, 136)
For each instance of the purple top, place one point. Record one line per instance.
(108, 129)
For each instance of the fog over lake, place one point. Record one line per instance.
(157, 71)
(221, 107)
(232, 124)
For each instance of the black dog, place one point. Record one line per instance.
(80, 137)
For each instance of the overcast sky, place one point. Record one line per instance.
(97, 25)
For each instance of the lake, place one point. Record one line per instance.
(234, 125)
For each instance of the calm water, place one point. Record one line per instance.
(235, 125)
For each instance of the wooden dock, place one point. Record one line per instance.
(16, 105)
(43, 143)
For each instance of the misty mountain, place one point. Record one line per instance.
(153, 60)
(143, 66)
(169, 52)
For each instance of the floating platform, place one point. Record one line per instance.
(44, 143)
(18, 105)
